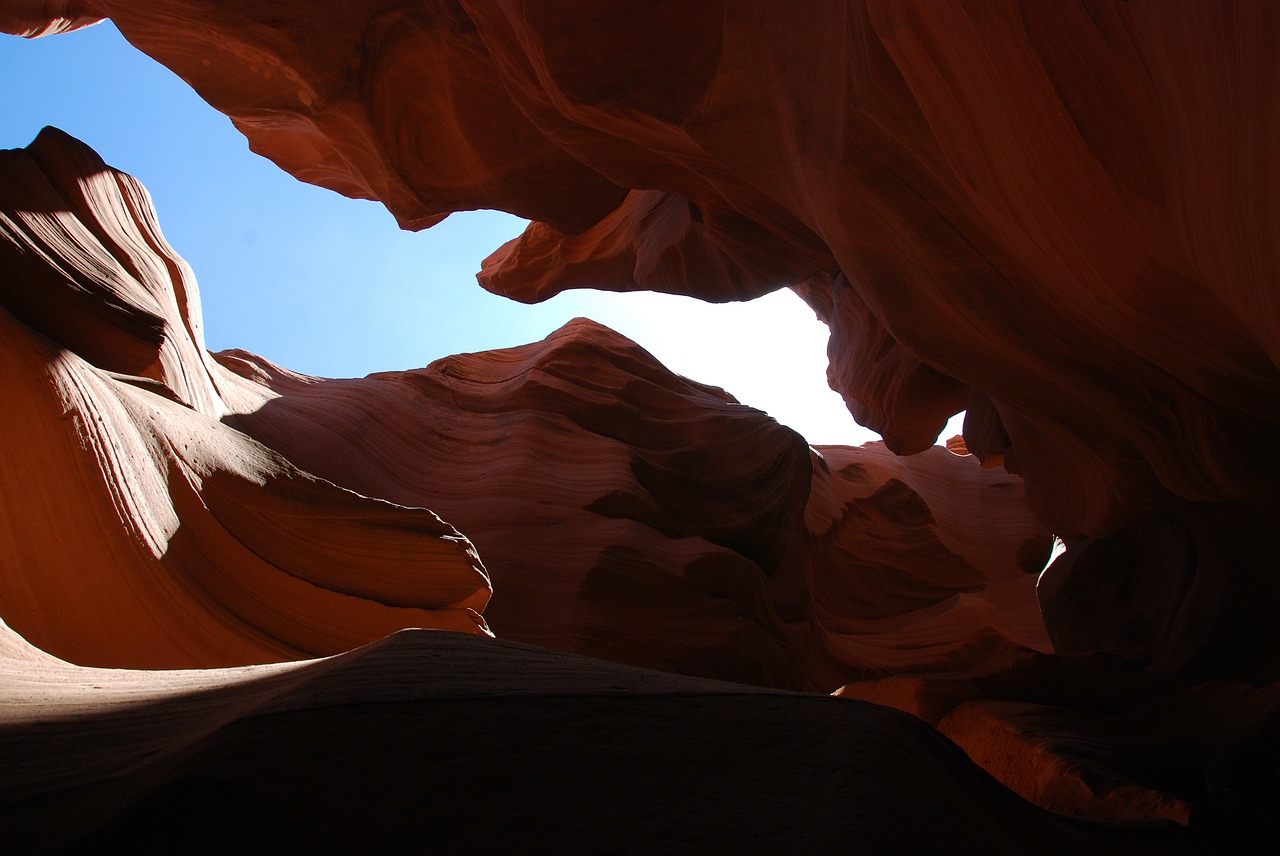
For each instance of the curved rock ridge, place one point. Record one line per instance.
(139, 530)
(34, 18)
(653, 241)
(347, 111)
(628, 513)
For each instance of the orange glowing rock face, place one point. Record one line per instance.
(140, 530)
(1057, 216)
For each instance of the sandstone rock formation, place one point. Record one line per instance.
(34, 18)
(609, 495)
(629, 513)
(176, 510)
(139, 530)
(1055, 211)
(1057, 216)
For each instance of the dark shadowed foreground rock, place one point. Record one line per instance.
(437, 742)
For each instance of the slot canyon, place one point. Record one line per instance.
(559, 598)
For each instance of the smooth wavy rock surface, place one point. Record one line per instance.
(1058, 212)
(139, 530)
(35, 18)
(628, 513)
(1058, 216)
(172, 509)
(1039, 200)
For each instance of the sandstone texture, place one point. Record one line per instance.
(1056, 216)
(139, 530)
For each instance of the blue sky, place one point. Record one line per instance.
(331, 286)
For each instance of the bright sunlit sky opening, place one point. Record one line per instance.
(331, 286)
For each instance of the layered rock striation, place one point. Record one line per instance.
(181, 510)
(139, 530)
(236, 512)
(1053, 213)
(176, 510)
(1056, 216)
